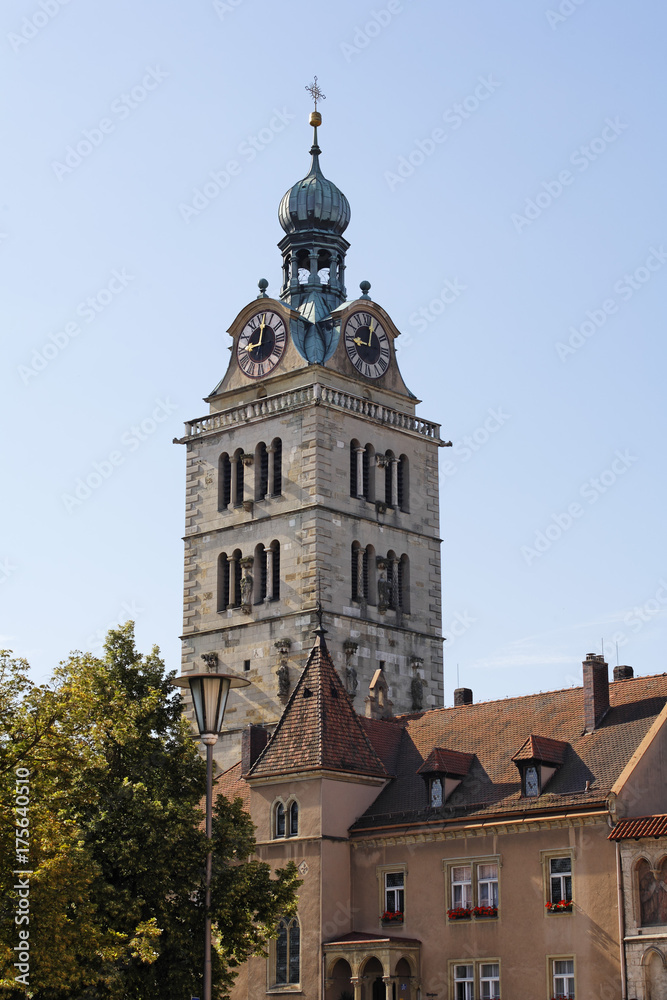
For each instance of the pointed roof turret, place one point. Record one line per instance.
(319, 730)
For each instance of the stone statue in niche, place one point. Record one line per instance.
(351, 680)
(384, 587)
(284, 683)
(417, 692)
(652, 893)
(246, 584)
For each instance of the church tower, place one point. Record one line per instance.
(312, 483)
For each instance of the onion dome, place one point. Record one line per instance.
(314, 202)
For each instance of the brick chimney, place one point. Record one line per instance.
(596, 690)
(253, 740)
(463, 696)
(623, 673)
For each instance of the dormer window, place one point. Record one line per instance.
(443, 771)
(538, 760)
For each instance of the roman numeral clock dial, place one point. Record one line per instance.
(261, 344)
(367, 344)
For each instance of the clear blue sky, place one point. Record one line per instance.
(522, 253)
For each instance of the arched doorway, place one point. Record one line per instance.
(373, 973)
(402, 980)
(340, 987)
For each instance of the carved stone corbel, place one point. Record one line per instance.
(211, 661)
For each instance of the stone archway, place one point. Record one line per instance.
(655, 973)
(339, 982)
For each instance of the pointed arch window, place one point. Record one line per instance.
(237, 478)
(403, 483)
(279, 820)
(287, 962)
(223, 581)
(294, 819)
(261, 471)
(275, 485)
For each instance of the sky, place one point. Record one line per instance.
(504, 165)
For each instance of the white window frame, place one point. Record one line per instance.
(546, 858)
(471, 980)
(553, 975)
(381, 871)
(474, 864)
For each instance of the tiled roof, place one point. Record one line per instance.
(493, 730)
(319, 729)
(543, 749)
(356, 937)
(643, 826)
(441, 761)
(232, 785)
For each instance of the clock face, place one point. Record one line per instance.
(261, 344)
(367, 344)
(532, 781)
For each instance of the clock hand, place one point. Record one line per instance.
(370, 333)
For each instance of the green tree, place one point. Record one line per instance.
(117, 847)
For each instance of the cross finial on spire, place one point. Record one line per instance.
(315, 92)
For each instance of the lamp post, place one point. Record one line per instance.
(209, 692)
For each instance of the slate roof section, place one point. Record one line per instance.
(543, 749)
(449, 762)
(642, 826)
(492, 731)
(319, 730)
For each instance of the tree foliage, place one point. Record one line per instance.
(117, 848)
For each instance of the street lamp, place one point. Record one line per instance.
(209, 692)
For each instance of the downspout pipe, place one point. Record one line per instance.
(621, 920)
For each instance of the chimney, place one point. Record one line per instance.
(596, 690)
(623, 673)
(463, 696)
(253, 741)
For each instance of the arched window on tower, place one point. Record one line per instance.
(403, 584)
(324, 266)
(261, 471)
(403, 483)
(237, 478)
(287, 961)
(223, 582)
(259, 575)
(275, 486)
(303, 266)
(235, 574)
(224, 481)
(392, 581)
(362, 470)
(273, 570)
(389, 479)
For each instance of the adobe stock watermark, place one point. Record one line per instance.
(225, 7)
(365, 33)
(590, 491)
(458, 626)
(625, 288)
(131, 440)
(7, 569)
(32, 24)
(88, 310)
(22, 835)
(581, 158)
(121, 108)
(454, 118)
(467, 446)
(248, 150)
(129, 611)
(565, 10)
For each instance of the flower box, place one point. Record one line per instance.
(390, 917)
(485, 911)
(564, 906)
(460, 913)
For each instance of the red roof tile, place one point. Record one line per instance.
(493, 730)
(642, 826)
(543, 749)
(319, 729)
(452, 762)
